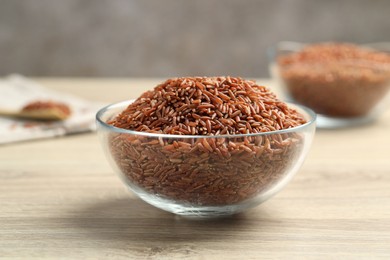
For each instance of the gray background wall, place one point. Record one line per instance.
(161, 38)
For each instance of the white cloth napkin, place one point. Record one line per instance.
(16, 91)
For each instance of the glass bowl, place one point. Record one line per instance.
(204, 176)
(348, 92)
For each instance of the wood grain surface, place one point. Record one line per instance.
(60, 199)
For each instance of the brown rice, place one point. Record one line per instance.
(208, 170)
(335, 79)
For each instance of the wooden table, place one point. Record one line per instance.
(60, 198)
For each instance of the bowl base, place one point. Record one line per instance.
(325, 122)
(191, 211)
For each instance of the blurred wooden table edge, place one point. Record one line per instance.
(60, 198)
(120, 88)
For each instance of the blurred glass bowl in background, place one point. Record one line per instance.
(204, 176)
(344, 84)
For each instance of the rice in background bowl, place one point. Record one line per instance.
(336, 80)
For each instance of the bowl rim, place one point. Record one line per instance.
(296, 46)
(310, 121)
